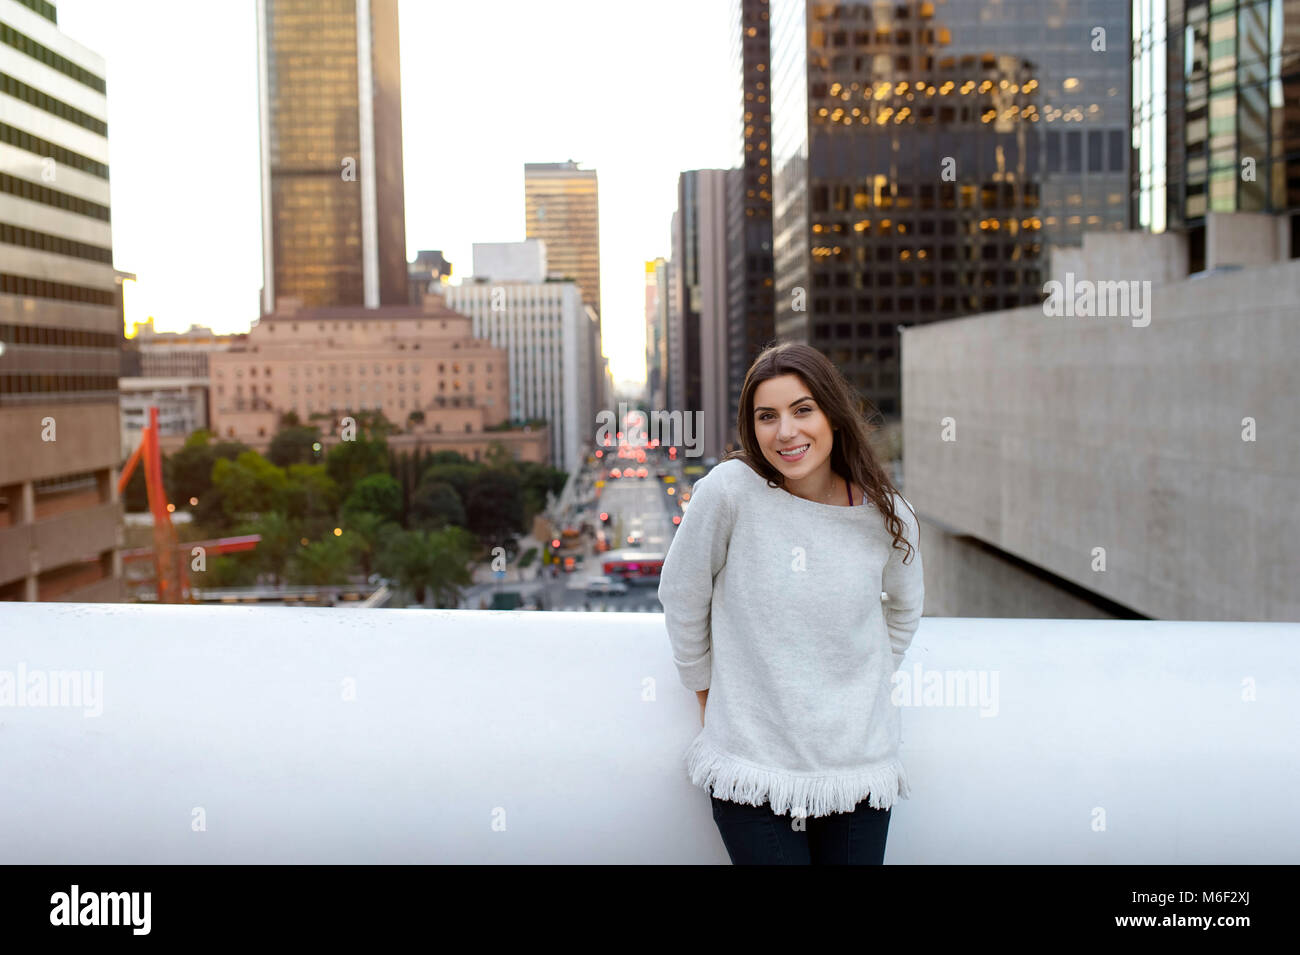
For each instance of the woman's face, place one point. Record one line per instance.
(786, 417)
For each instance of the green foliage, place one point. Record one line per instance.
(429, 560)
(326, 560)
(295, 498)
(311, 496)
(378, 494)
(249, 485)
(435, 504)
(294, 445)
(351, 461)
(493, 507)
(459, 476)
(226, 571)
(448, 457)
(372, 532)
(280, 541)
(135, 498)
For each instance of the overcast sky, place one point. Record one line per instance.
(638, 92)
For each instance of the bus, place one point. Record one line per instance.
(632, 565)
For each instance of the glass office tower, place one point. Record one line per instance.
(750, 322)
(1216, 113)
(928, 154)
(333, 208)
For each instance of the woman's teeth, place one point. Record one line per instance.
(795, 453)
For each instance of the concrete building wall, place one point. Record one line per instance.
(1170, 446)
(1245, 238)
(60, 320)
(545, 333)
(964, 577)
(510, 261)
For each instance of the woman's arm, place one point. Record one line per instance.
(697, 553)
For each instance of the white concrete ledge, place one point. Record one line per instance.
(565, 731)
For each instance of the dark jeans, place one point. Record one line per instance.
(754, 835)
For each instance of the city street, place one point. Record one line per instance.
(639, 508)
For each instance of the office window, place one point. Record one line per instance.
(1117, 148)
(1074, 151)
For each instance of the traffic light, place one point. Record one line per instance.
(555, 544)
(604, 517)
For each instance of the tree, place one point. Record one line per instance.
(372, 532)
(350, 461)
(312, 498)
(459, 476)
(226, 570)
(448, 457)
(293, 445)
(249, 485)
(435, 504)
(327, 560)
(377, 493)
(188, 474)
(494, 508)
(135, 499)
(433, 560)
(280, 540)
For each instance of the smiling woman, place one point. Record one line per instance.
(799, 718)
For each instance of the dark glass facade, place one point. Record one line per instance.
(750, 288)
(684, 388)
(1216, 112)
(316, 154)
(928, 154)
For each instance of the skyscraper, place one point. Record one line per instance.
(750, 324)
(656, 330)
(928, 154)
(697, 328)
(333, 212)
(1216, 114)
(60, 318)
(561, 208)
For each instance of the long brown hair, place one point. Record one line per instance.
(851, 454)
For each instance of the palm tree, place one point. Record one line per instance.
(437, 560)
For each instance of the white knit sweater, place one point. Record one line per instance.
(773, 604)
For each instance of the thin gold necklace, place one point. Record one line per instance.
(829, 498)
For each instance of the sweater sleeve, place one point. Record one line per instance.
(695, 556)
(904, 585)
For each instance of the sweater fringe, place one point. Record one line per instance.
(799, 795)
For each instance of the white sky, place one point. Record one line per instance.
(636, 91)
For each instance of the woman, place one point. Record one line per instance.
(771, 593)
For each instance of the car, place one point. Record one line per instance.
(605, 585)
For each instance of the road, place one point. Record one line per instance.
(643, 506)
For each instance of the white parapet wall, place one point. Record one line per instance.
(279, 735)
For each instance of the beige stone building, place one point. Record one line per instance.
(419, 365)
